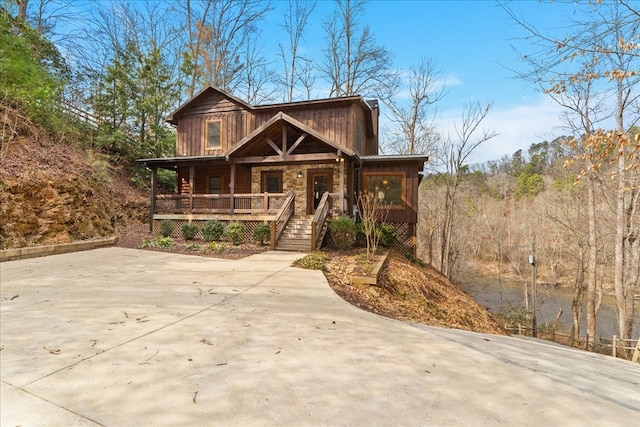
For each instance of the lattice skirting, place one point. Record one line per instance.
(403, 242)
(249, 226)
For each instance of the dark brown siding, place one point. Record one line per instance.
(410, 171)
(191, 132)
(332, 122)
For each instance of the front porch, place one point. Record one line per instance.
(278, 210)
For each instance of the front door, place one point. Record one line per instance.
(318, 182)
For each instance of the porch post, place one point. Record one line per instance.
(191, 183)
(232, 186)
(341, 185)
(154, 181)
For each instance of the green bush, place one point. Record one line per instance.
(212, 230)
(261, 233)
(234, 232)
(388, 235)
(189, 231)
(313, 261)
(217, 247)
(193, 247)
(415, 260)
(156, 242)
(343, 232)
(166, 227)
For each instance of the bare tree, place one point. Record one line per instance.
(469, 136)
(372, 214)
(412, 115)
(608, 36)
(217, 32)
(296, 68)
(353, 63)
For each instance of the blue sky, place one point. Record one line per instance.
(471, 41)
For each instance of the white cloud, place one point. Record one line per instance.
(517, 126)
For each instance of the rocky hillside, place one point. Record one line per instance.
(52, 191)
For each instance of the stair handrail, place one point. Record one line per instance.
(282, 217)
(319, 219)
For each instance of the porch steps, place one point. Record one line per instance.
(297, 235)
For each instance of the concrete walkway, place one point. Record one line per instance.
(123, 337)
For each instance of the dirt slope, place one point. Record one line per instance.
(53, 192)
(414, 294)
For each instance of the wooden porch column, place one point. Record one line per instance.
(191, 184)
(154, 183)
(232, 186)
(341, 185)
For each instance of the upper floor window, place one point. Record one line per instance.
(213, 135)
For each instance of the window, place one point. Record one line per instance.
(271, 182)
(215, 185)
(213, 135)
(389, 188)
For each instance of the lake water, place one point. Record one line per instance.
(497, 295)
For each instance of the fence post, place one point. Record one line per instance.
(636, 352)
(614, 344)
(273, 235)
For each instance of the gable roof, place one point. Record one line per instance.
(368, 106)
(280, 118)
(206, 91)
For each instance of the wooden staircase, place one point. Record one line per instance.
(297, 234)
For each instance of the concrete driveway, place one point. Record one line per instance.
(123, 337)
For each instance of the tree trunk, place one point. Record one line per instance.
(576, 304)
(591, 265)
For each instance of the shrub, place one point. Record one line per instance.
(189, 231)
(234, 232)
(343, 232)
(217, 247)
(156, 242)
(166, 227)
(415, 260)
(212, 230)
(388, 235)
(312, 261)
(193, 247)
(261, 233)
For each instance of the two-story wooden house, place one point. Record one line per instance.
(292, 165)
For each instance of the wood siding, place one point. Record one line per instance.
(410, 171)
(202, 174)
(334, 120)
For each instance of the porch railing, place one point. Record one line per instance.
(279, 223)
(258, 203)
(318, 221)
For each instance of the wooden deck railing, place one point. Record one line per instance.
(279, 223)
(259, 203)
(317, 224)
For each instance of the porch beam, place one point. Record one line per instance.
(287, 158)
(273, 145)
(284, 139)
(295, 144)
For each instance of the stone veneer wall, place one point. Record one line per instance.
(291, 182)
